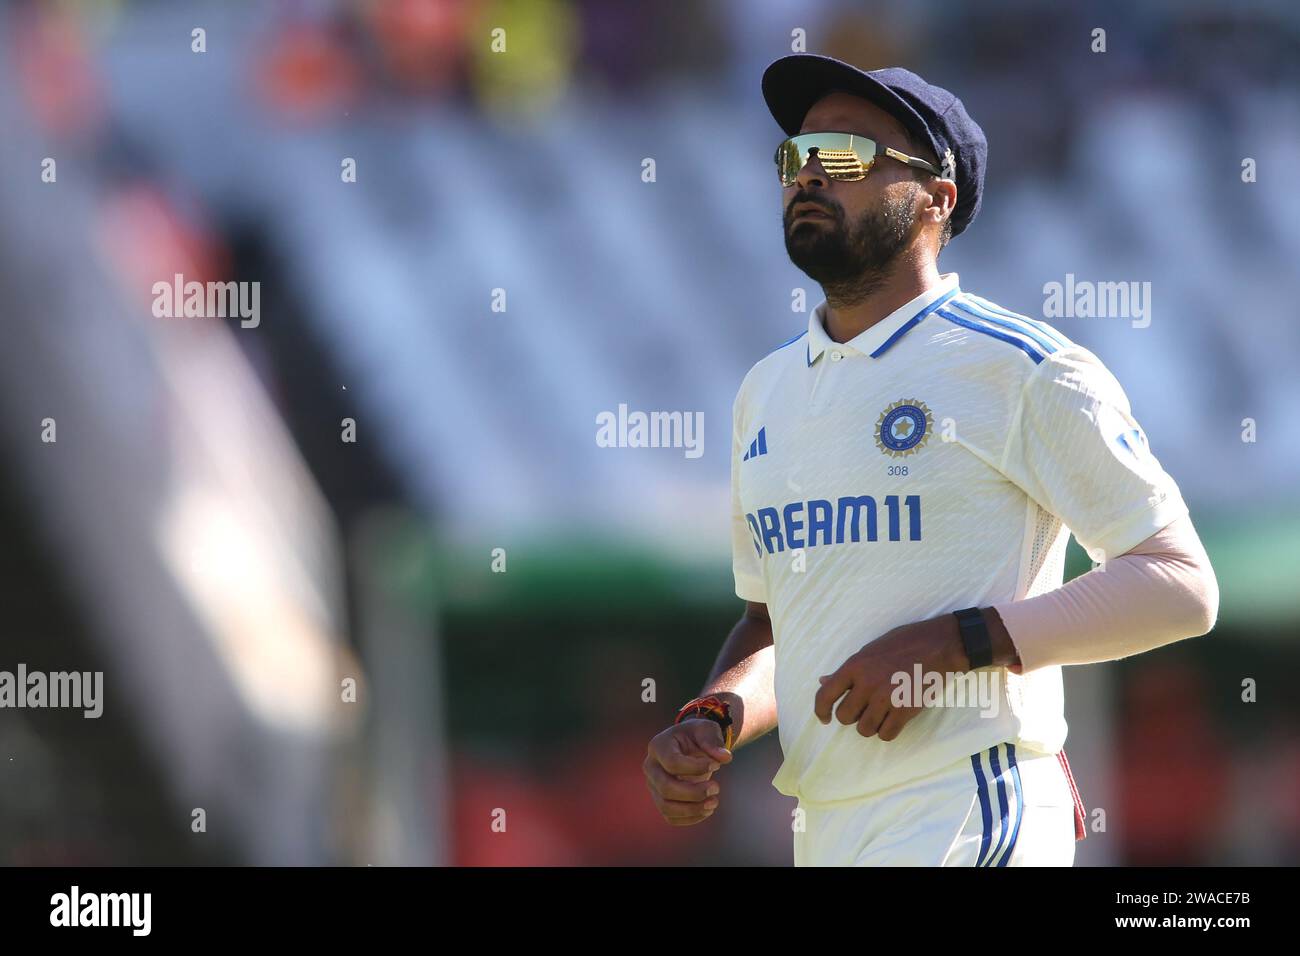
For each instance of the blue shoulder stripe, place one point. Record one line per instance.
(913, 321)
(789, 341)
(989, 330)
(974, 312)
(996, 309)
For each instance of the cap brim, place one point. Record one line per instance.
(792, 84)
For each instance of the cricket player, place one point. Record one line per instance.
(905, 475)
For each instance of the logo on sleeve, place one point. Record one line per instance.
(904, 427)
(1134, 442)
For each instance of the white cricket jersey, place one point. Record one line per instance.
(937, 461)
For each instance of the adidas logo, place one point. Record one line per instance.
(758, 446)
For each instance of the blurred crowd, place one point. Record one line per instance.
(499, 149)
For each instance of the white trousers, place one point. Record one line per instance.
(1004, 806)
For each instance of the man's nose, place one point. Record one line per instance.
(811, 173)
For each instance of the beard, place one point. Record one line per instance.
(849, 260)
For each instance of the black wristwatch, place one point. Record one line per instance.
(975, 637)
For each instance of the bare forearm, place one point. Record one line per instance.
(743, 675)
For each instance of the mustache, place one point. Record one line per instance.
(803, 197)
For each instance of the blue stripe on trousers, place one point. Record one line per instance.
(985, 811)
(1020, 802)
(1003, 821)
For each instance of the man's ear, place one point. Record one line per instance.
(943, 193)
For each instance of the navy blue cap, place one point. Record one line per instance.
(792, 84)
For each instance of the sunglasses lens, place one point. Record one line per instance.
(844, 156)
(789, 161)
(841, 163)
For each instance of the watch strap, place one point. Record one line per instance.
(975, 636)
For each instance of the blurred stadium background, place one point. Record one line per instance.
(200, 532)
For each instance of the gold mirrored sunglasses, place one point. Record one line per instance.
(846, 157)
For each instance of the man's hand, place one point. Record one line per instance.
(865, 680)
(678, 765)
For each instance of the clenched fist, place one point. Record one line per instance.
(678, 766)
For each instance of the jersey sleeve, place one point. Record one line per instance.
(1075, 448)
(745, 565)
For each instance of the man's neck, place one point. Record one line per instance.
(909, 279)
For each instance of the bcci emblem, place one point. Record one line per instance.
(904, 427)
